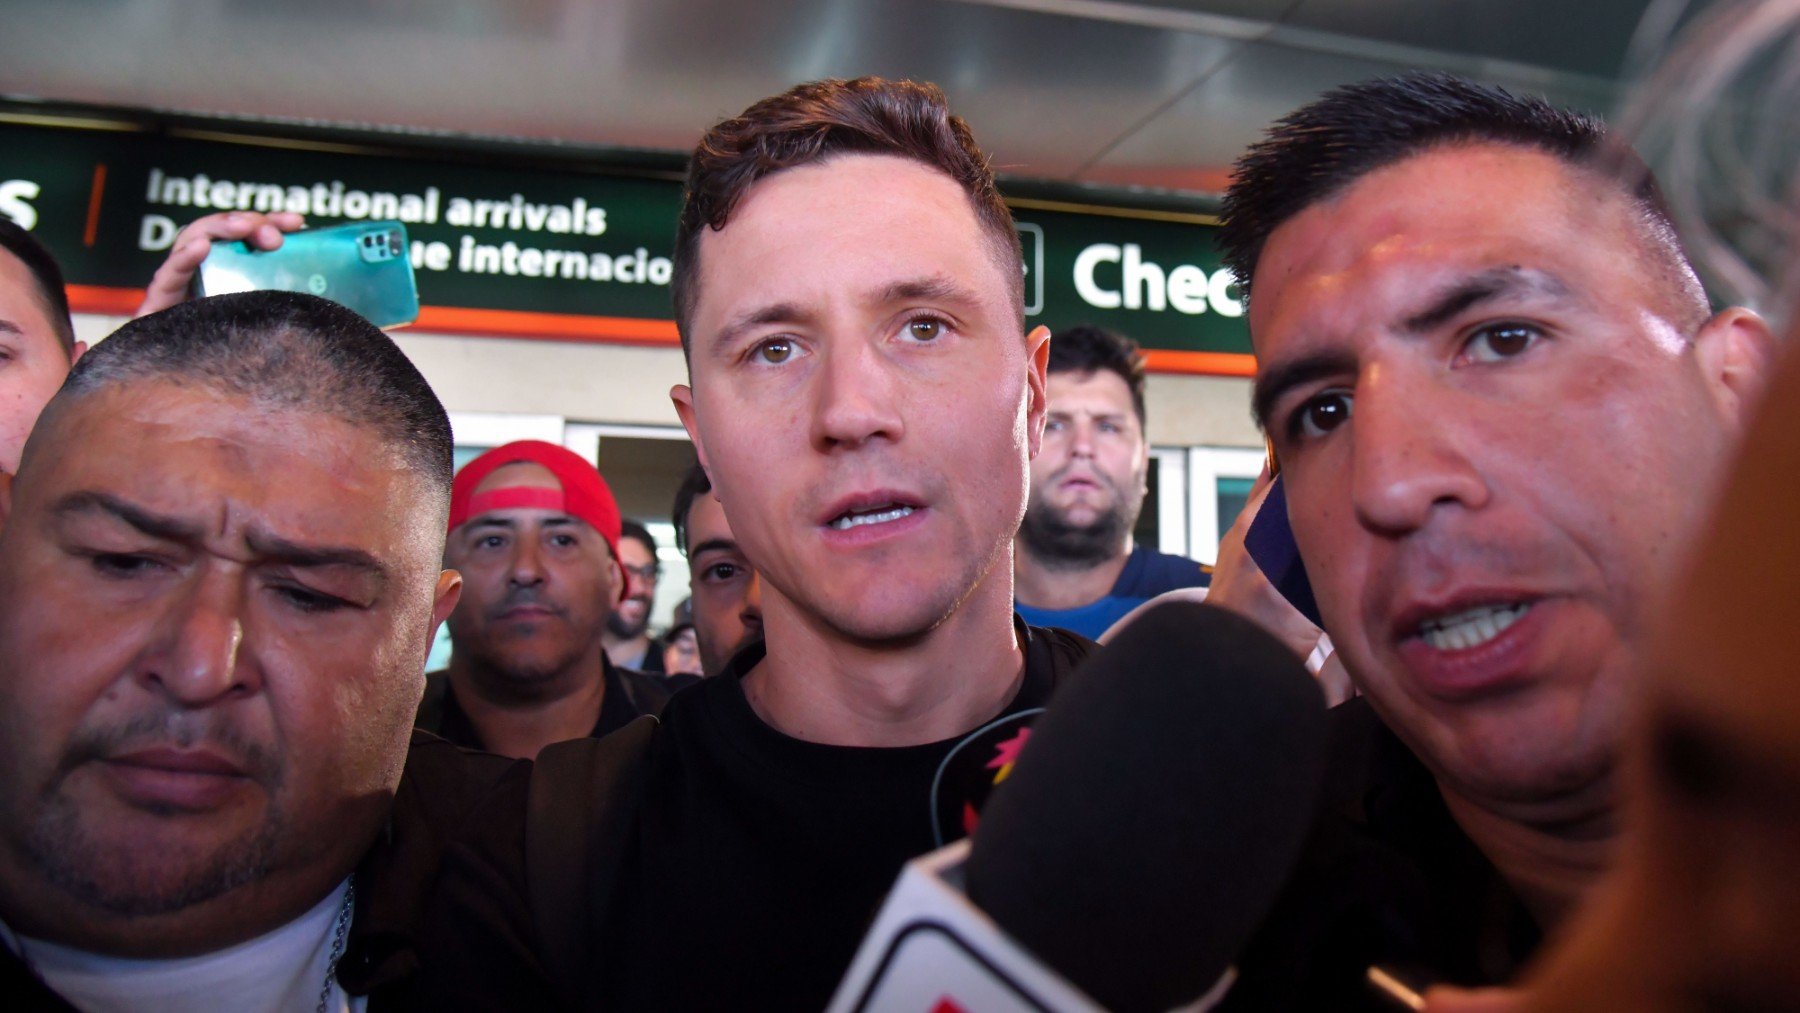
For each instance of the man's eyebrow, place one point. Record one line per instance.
(1483, 287)
(1277, 380)
(489, 521)
(713, 545)
(8, 327)
(936, 288)
(283, 550)
(774, 313)
(154, 525)
(169, 529)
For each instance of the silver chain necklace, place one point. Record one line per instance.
(340, 936)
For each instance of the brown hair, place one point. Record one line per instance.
(814, 121)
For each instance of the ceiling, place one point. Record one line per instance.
(1160, 93)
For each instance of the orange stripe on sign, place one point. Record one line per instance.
(548, 326)
(93, 218)
(1158, 360)
(449, 319)
(112, 302)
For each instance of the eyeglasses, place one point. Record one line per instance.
(646, 573)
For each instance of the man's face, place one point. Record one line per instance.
(33, 362)
(1088, 482)
(215, 617)
(641, 571)
(727, 600)
(1495, 433)
(861, 396)
(537, 585)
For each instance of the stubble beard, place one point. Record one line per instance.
(129, 883)
(621, 628)
(127, 879)
(1057, 543)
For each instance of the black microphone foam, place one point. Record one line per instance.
(1156, 809)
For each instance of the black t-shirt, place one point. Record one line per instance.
(1387, 878)
(755, 865)
(767, 857)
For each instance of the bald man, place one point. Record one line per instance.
(534, 531)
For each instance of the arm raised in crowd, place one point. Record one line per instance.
(170, 283)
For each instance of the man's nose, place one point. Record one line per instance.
(751, 612)
(855, 396)
(1411, 449)
(197, 657)
(1081, 438)
(527, 564)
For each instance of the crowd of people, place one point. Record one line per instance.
(1500, 410)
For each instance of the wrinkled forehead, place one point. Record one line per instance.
(1097, 391)
(858, 224)
(231, 466)
(1362, 255)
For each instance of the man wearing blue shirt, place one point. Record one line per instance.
(1076, 566)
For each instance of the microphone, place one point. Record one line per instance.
(1151, 819)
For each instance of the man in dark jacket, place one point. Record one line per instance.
(219, 576)
(534, 531)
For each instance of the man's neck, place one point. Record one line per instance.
(1549, 853)
(568, 706)
(813, 684)
(1060, 584)
(627, 652)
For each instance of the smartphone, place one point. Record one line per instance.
(1270, 543)
(366, 266)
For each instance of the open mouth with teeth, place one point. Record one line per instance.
(1471, 627)
(874, 515)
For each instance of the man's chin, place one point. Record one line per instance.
(629, 620)
(1499, 767)
(884, 621)
(135, 870)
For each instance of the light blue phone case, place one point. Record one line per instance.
(364, 265)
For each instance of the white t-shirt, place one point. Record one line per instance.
(281, 970)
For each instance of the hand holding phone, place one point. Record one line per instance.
(365, 266)
(174, 279)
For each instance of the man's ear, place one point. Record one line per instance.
(449, 592)
(1037, 356)
(1734, 350)
(618, 582)
(683, 396)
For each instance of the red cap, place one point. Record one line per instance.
(584, 493)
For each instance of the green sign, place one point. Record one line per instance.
(1156, 277)
(507, 237)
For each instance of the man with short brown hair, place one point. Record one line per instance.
(1076, 564)
(866, 403)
